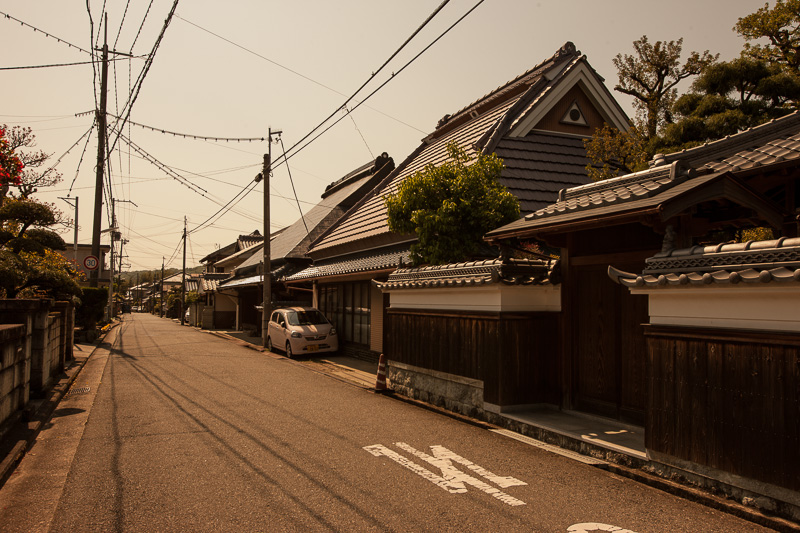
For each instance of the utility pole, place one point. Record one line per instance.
(266, 309)
(161, 290)
(183, 277)
(100, 115)
(75, 238)
(113, 232)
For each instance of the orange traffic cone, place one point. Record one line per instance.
(380, 382)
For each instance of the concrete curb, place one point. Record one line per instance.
(24, 431)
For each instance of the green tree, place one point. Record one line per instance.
(729, 97)
(29, 265)
(28, 262)
(651, 77)
(451, 206)
(781, 26)
(614, 153)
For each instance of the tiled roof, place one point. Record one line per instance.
(775, 143)
(541, 164)
(533, 177)
(354, 264)
(473, 274)
(241, 282)
(295, 240)
(210, 280)
(750, 262)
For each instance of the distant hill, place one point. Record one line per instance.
(145, 276)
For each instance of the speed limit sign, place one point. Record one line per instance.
(90, 262)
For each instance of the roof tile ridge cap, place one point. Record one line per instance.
(602, 185)
(549, 85)
(776, 123)
(563, 53)
(489, 140)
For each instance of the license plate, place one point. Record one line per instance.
(312, 347)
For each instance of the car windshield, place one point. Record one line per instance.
(305, 318)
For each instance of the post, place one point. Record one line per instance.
(183, 277)
(75, 238)
(266, 309)
(101, 157)
(112, 232)
(161, 291)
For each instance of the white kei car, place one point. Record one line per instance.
(301, 330)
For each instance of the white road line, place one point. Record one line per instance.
(585, 459)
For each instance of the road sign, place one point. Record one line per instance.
(90, 262)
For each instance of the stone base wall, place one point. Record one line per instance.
(14, 371)
(454, 393)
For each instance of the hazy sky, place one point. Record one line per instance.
(236, 68)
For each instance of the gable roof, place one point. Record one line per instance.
(538, 163)
(294, 242)
(242, 242)
(775, 143)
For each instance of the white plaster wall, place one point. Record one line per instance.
(487, 298)
(772, 307)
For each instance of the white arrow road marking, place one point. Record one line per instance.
(452, 479)
(591, 526)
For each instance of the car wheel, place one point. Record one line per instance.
(269, 344)
(289, 350)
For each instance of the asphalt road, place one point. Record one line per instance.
(178, 430)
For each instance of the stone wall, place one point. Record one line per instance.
(48, 337)
(455, 393)
(14, 370)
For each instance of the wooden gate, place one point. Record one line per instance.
(608, 348)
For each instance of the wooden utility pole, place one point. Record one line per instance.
(161, 291)
(266, 306)
(183, 277)
(100, 115)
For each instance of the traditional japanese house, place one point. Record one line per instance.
(288, 250)
(699, 338)
(536, 123)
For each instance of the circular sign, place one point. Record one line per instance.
(90, 262)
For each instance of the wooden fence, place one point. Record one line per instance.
(729, 400)
(514, 354)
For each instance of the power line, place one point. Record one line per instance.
(293, 189)
(370, 95)
(297, 73)
(140, 80)
(28, 67)
(46, 34)
(184, 135)
(250, 187)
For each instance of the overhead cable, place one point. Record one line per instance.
(46, 34)
(184, 135)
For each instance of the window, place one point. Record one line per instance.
(347, 306)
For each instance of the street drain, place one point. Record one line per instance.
(79, 390)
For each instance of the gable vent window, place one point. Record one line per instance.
(574, 116)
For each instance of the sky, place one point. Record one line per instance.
(235, 69)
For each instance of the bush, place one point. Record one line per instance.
(92, 307)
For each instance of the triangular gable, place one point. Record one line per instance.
(579, 86)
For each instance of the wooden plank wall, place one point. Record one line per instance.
(515, 355)
(726, 399)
